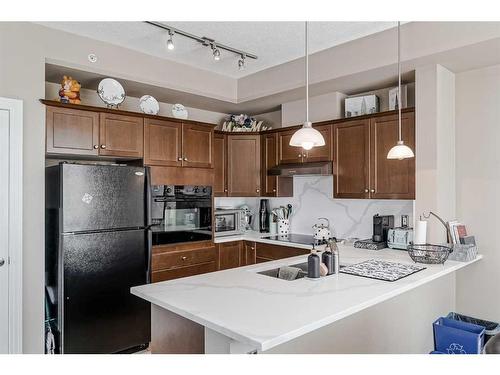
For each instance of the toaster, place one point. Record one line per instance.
(399, 238)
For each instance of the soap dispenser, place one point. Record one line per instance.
(327, 259)
(313, 263)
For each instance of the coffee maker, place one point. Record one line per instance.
(264, 216)
(381, 225)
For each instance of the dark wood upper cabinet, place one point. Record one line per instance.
(322, 153)
(269, 159)
(71, 131)
(351, 159)
(162, 143)
(197, 145)
(220, 165)
(121, 136)
(288, 154)
(391, 179)
(243, 165)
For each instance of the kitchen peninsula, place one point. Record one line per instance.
(241, 311)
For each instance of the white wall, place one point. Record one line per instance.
(90, 97)
(478, 187)
(322, 107)
(313, 198)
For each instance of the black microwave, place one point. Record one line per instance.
(180, 213)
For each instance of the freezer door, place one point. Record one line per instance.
(100, 197)
(100, 315)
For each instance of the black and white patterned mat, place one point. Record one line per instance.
(381, 270)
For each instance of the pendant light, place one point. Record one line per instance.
(307, 137)
(400, 151)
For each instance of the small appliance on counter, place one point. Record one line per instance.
(230, 222)
(321, 230)
(381, 226)
(264, 216)
(399, 238)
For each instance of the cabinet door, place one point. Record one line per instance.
(250, 253)
(220, 165)
(269, 156)
(243, 165)
(197, 145)
(322, 153)
(121, 136)
(71, 131)
(162, 143)
(391, 179)
(229, 255)
(288, 154)
(351, 159)
(267, 252)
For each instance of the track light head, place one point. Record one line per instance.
(170, 42)
(216, 53)
(241, 63)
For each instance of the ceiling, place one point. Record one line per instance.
(273, 42)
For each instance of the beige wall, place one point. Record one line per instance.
(478, 187)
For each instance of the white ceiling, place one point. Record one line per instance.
(273, 42)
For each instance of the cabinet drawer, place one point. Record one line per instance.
(184, 258)
(273, 252)
(176, 273)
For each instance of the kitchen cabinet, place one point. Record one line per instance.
(181, 260)
(230, 255)
(120, 135)
(266, 252)
(290, 154)
(351, 159)
(71, 131)
(197, 145)
(243, 165)
(361, 167)
(220, 165)
(249, 252)
(162, 143)
(391, 179)
(269, 159)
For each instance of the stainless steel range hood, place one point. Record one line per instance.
(323, 168)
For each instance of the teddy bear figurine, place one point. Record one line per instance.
(70, 90)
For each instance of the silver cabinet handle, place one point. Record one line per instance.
(257, 190)
(185, 159)
(96, 146)
(304, 155)
(372, 191)
(2, 262)
(300, 155)
(179, 158)
(225, 190)
(366, 190)
(274, 190)
(184, 258)
(103, 146)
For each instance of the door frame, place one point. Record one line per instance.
(14, 261)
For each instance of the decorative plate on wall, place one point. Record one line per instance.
(111, 92)
(149, 105)
(179, 111)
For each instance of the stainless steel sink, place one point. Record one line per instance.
(302, 273)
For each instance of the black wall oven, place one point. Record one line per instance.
(181, 213)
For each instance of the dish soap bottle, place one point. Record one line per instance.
(313, 262)
(327, 259)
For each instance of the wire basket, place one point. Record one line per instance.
(429, 254)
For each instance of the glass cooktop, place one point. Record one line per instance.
(303, 239)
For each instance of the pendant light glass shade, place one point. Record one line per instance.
(307, 137)
(400, 151)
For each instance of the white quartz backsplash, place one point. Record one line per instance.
(313, 198)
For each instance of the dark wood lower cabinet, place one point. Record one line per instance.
(229, 254)
(250, 253)
(266, 252)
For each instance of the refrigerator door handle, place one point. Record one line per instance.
(149, 250)
(149, 220)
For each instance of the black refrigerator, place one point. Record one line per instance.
(98, 246)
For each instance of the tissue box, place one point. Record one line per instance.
(361, 105)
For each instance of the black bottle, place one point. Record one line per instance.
(327, 259)
(264, 216)
(313, 262)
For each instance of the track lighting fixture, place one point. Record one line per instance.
(216, 52)
(205, 41)
(170, 42)
(241, 63)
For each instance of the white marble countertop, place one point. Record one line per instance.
(263, 312)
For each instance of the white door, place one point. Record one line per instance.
(10, 224)
(4, 231)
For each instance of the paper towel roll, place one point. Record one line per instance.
(420, 232)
